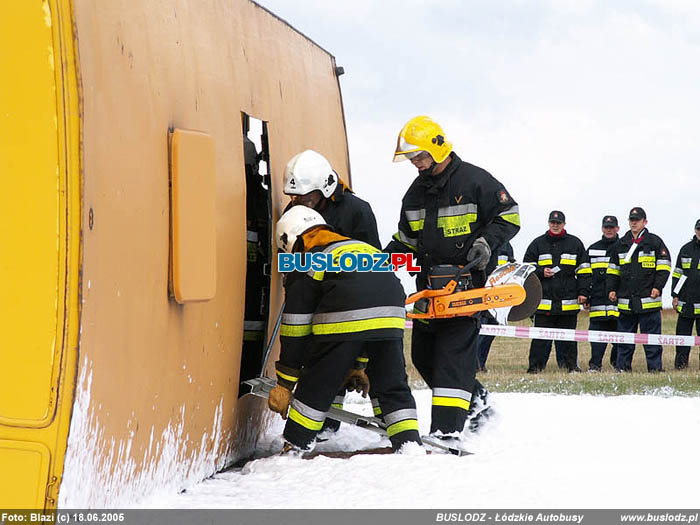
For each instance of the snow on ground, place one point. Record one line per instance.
(540, 451)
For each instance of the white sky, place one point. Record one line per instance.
(585, 106)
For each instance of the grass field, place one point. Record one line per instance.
(508, 358)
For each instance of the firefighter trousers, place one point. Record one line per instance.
(603, 324)
(324, 374)
(444, 352)
(684, 326)
(648, 323)
(541, 348)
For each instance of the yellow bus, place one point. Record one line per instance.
(123, 217)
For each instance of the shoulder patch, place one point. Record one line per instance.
(503, 196)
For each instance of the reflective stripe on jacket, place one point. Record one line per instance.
(339, 306)
(688, 265)
(442, 215)
(633, 279)
(599, 256)
(568, 257)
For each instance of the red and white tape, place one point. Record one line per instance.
(591, 336)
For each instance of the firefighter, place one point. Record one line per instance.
(686, 294)
(329, 321)
(498, 258)
(565, 272)
(453, 213)
(310, 180)
(255, 317)
(639, 268)
(603, 312)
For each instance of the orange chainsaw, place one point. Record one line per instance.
(450, 295)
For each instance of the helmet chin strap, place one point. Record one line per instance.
(429, 170)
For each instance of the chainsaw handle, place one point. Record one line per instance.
(428, 293)
(412, 315)
(469, 266)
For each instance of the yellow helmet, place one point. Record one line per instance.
(422, 134)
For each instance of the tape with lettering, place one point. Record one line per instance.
(591, 336)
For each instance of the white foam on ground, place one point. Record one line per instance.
(540, 451)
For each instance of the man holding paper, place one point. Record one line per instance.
(564, 270)
(686, 294)
(639, 267)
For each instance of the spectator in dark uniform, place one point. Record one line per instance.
(640, 265)
(686, 294)
(603, 312)
(565, 273)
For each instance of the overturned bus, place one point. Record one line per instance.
(126, 232)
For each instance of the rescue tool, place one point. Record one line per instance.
(512, 293)
(261, 386)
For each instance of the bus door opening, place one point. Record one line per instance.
(259, 246)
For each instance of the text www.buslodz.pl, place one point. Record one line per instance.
(346, 262)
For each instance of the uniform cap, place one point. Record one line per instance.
(637, 213)
(609, 220)
(557, 216)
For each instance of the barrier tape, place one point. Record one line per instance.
(591, 336)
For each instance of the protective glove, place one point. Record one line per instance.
(279, 400)
(480, 248)
(358, 381)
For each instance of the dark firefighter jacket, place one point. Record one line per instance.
(502, 256)
(442, 216)
(599, 256)
(560, 292)
(337, 306)
(688, 264)
(256, 206)
(633, 279)
(350, 216)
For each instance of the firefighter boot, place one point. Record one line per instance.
(480, 408)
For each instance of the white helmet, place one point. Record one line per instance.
(309, 171)
(293, 223)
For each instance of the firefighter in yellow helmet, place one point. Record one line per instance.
(452, 214)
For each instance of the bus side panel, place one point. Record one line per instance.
(156, 400)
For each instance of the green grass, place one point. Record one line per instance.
(508, 358)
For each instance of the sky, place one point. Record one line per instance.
(539, 451)
(589, 107)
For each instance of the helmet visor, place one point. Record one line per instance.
(405, 151)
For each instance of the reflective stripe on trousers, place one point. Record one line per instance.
(451, 397)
